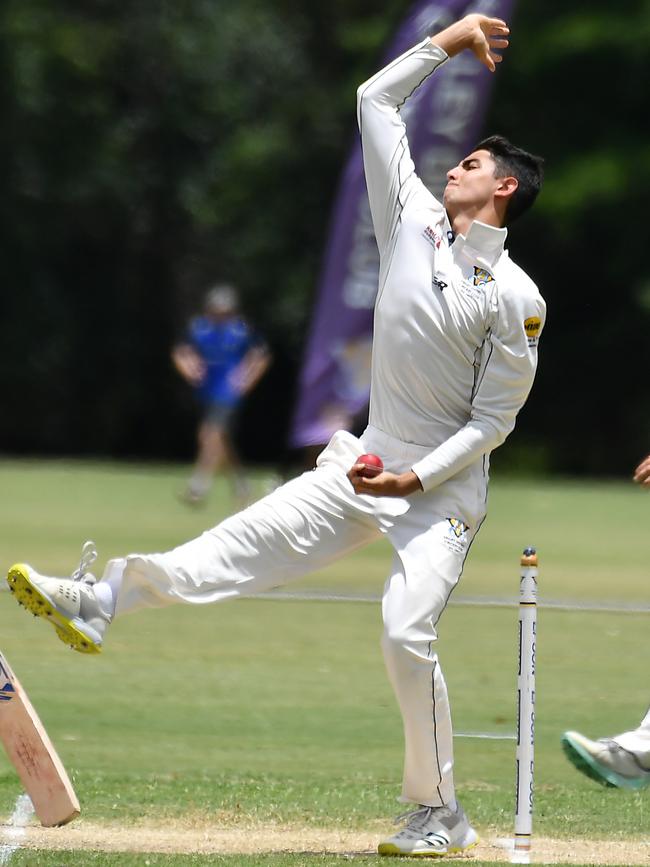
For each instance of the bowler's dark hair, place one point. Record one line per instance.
(513, 161)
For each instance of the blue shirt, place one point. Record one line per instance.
(222, 346)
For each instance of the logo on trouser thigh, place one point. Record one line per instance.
(456, 535)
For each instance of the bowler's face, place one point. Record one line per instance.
(471, 184)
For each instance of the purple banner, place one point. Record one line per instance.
(444, 119)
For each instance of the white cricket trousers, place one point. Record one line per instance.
(638, 740)
(306, 524)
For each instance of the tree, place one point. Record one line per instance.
(149, 148)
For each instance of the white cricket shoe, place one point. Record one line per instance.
(606, 761)
(70, 604)
(431, 832)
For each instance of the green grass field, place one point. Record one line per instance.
(259, 713)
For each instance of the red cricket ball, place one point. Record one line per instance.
(374, 465)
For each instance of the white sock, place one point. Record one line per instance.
(108, 589)
(104, 595)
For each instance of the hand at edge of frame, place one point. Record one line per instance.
(642, 473)
(385, 484)
(478, 33)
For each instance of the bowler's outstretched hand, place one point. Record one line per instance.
(482, 35)
(385, 484)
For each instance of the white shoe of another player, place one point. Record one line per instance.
(431, 832)
(69, 604)
(605, 761)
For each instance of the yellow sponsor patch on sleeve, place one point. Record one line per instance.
(532, 327)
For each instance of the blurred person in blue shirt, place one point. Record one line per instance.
(222, 358)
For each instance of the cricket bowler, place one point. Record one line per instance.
(456, 331)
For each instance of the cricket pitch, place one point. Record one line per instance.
(202, 838)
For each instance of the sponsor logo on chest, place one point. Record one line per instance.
(438, 283)
(477, 283)
(482, 277)
(433, 237)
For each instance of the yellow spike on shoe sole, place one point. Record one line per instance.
(28, 595)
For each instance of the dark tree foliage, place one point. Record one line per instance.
(149, 148)
(573, 90)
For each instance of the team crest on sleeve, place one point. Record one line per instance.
(532, 327)
(455, 537)
(482, 277)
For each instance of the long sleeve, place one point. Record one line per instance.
(504, 381)
(390, 173)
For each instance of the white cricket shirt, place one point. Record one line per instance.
(456, 322)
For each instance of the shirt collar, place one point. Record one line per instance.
(486, 242)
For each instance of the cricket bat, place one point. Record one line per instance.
(32, 753)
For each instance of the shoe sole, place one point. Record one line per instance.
(40, 605)
(586, 764)
(392, 849)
